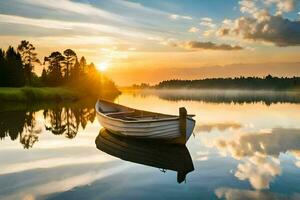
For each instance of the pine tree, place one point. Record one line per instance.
(2, 67)
(55, 68)
(82, 63)
(70, 59)
(29, 57)
(75, 72)
(44, 76)
(14, 76)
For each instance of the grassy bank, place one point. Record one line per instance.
(26, 94)
(58, 94)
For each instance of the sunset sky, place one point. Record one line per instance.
(148, 41)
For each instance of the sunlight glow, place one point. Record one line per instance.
(102, 66)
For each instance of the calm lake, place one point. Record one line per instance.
(245, 146)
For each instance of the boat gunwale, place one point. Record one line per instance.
(174, 118)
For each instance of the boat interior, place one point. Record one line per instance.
(129, 114)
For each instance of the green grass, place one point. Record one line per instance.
(27, 94)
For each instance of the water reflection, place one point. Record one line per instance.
(240, 151)
(259, 153)
(227, 96)
(155, 154)
(239, 194)
(67, 120)
(59, 119)
(221, 126)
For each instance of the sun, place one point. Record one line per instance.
(102, 66)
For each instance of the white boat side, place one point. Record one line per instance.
(123, 120)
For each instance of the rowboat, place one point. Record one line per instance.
(151, 153)
(131, 122)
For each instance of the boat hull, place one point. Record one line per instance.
(167, 130)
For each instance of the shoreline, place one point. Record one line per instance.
(46, 94)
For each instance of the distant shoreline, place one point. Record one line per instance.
(243, 83)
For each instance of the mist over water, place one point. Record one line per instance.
(226, 96)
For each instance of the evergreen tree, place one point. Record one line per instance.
(29, 57)
(55, 68)
(82, 63)
(75, 72)
(91, 68)
(14, 73)
(44, 76)
(2, 67)
(70, 60)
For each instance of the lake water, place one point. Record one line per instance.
(244, 147)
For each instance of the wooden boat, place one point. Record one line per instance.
(131, 122)
(165, 157)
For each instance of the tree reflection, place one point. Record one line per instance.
(58, 119)
(67, 120)
(12, 124)
(30, 132)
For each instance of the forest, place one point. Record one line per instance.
(252, 83)
(59, 69)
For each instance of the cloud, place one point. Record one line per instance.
(176, 17)
(227, 22)
(193, 30)
(212, 46)
(240, 194)
(248, 6)
(194, 45)
(259, 170)
(206, 21)
(209, 33)
(48, 185)
(52, 163)
(296, 154)
(74, 7)
(266, 28)
(223, 31)
(70, 26)
(139, 7)
(282, 6)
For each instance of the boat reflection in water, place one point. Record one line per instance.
(152, 153)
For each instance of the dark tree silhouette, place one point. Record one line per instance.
(29, 57)
(2, 67)
(82, 64)
(67, 120)
(75, 71)
(30, 134)
(44, 76)
(252, 83)
(12, 123)
(13, 69)
(69, 61)
(55, 68)
(55, 120)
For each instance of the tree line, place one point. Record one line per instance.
(255, 83)
(59, 69)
